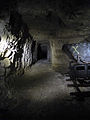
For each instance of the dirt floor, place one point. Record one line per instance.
(46, 94)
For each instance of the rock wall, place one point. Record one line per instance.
(15, 53)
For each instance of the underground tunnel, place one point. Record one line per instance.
(44, 59)
(41, 52)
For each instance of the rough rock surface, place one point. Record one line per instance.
(15, 53)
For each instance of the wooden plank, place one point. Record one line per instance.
(83, 94)
(79, 85)
(76, 86)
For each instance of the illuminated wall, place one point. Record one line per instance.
(15, 53)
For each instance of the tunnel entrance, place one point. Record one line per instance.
(42, 52)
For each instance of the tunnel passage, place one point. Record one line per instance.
(42, 51)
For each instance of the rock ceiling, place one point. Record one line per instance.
(65, 12)
(51, 15)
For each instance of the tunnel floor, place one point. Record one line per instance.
(44, 94)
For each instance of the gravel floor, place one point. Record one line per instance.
(44, 94)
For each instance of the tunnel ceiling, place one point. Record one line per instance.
(55, 14)
(51, 14)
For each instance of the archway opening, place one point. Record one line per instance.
(42, 52)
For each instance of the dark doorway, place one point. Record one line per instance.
(41, 51)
